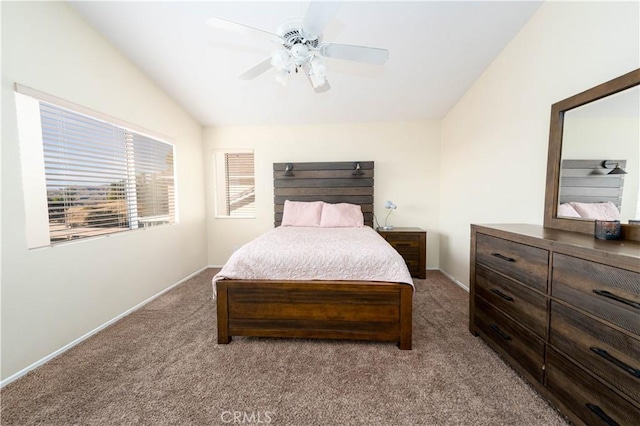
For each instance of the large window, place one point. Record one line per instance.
(99, 177)
(235, 184)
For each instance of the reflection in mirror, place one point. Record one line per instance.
(595, 138)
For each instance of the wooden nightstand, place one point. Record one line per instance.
(411, 243)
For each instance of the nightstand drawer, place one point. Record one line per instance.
(527, 264)
(413, 266)
(404, 238)
(406, 247)
(522, 304)
(610, 293)
(606, 352)
(586, 397)
(516, 341)
(411, 243)
(408, 253)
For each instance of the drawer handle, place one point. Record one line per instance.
(598, 411)
(501, 294)
(403, 244)
(606, 355)
(503, 257)
(500, 332)
(617, 298)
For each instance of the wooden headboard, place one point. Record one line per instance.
(331, 182)
(587, 181)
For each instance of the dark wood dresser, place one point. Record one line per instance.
(563, 309)
(411, 243)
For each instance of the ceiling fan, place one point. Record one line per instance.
(301, 46)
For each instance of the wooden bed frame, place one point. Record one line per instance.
(353, 310)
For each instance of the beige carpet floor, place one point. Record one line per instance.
(161, 365)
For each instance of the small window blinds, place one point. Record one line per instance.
(239, 184)
(235, 184)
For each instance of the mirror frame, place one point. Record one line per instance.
(551, 219)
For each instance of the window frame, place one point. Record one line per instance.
(34, 179)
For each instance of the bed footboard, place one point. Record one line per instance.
(353, 310)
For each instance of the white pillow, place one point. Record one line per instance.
(341, 215)
(301, 213)
(566, 210)
(599, 211)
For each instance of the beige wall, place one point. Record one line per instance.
(52, 296)
(406, 156)
(494, 141)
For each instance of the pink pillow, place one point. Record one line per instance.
(300, 213)
(565, 210)
(599, 211)
(341, 215)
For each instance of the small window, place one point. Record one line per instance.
(235, 184)
(99, 178)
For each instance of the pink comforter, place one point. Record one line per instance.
(301, 253)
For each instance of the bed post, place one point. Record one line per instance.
(223, 313)
(406, 314)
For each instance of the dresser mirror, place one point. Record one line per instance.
(592, 134)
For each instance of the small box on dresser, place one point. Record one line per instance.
(563, 309)
(411, 243)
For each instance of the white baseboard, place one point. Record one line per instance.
(84, 337)
(454, 280)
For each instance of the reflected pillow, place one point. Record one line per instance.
(341, 215)
(300, 213)
(566, 210)
(599, 211)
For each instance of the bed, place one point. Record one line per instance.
(361, 302)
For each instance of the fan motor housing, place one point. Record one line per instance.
(293, 34)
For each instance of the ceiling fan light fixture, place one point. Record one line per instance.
(317, 72)
(280, 59)
(300, 52)
(318, 66)
(317, 81)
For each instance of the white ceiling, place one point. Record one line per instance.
(437, 50)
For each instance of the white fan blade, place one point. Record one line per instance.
(318, 16)
(262, 67)
(370, 55)
(225, 24)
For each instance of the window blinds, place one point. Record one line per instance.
(102, 178)
(240, 184)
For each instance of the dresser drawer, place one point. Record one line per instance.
(525, 306)
(529, 265)
(586, 397)
(610, 293)
(516, 341)
(608, 353)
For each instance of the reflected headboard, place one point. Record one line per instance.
(331, 182)
(587, 181)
